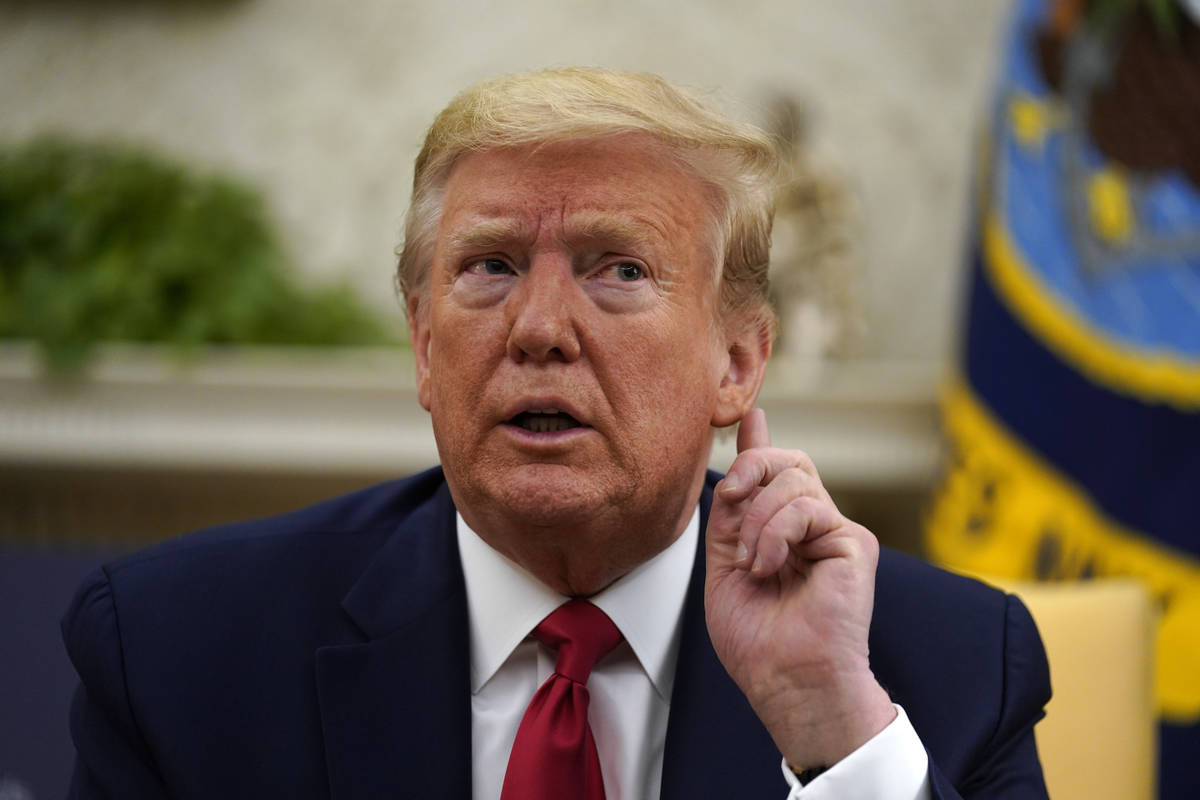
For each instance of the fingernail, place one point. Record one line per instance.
(742, 553)
(757, 564)
(731, 484)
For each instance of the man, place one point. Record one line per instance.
(585, 277)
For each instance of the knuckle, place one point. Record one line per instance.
(804, 462)
(795, 476)
(807, 503)
(801, 515)
(866, 542)
(810, 507)
(780, 525)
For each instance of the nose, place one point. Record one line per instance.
(542, 313)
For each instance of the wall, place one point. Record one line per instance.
(324, 105)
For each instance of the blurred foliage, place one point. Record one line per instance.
(1108, 15)
(103, 241)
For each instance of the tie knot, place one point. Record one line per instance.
(582, 634)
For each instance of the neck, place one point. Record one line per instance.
(579, 557)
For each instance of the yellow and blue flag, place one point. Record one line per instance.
(1075, 415)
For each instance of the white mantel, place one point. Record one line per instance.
(866, 424)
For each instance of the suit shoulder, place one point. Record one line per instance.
(366, 514)
(911, 582)
(90, 625)
(933, 607)
(305, 558)
(963, 658)
(920, 608)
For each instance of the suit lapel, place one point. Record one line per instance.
(396, 711)
(395, 708)
(715, 747)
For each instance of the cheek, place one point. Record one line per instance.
(671, 380)
(461, 350)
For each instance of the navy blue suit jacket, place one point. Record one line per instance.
(324, 653)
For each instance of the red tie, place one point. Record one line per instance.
(554, 755)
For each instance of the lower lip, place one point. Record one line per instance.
(563, 437)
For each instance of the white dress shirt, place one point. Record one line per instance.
(631, 687)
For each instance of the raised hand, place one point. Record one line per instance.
(788, 599)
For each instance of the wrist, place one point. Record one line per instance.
(816, 728)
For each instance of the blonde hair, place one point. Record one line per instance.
(738, 161)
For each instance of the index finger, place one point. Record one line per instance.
(752, 431)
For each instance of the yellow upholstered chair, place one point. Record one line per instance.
(1099, 737)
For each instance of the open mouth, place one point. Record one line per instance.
(548, 421)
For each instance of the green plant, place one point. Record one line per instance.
(1108, 15)
(104, 241)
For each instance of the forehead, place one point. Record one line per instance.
(625, 187)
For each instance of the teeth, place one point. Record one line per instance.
(547, 424)
(545, 420)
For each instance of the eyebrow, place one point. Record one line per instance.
(606, 228)
(598, 227)
(491, 233)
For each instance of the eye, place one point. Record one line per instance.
(628, 272)
(489, 266)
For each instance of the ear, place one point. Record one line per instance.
(749, 347)
(420, 336)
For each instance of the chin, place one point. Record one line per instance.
(545, 495)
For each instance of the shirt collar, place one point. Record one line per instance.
(505, 602)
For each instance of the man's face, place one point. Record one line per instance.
(568, 349)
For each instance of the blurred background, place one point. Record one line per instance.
(200, 202)
(319, 112)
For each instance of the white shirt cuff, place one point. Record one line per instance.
(891, 765)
